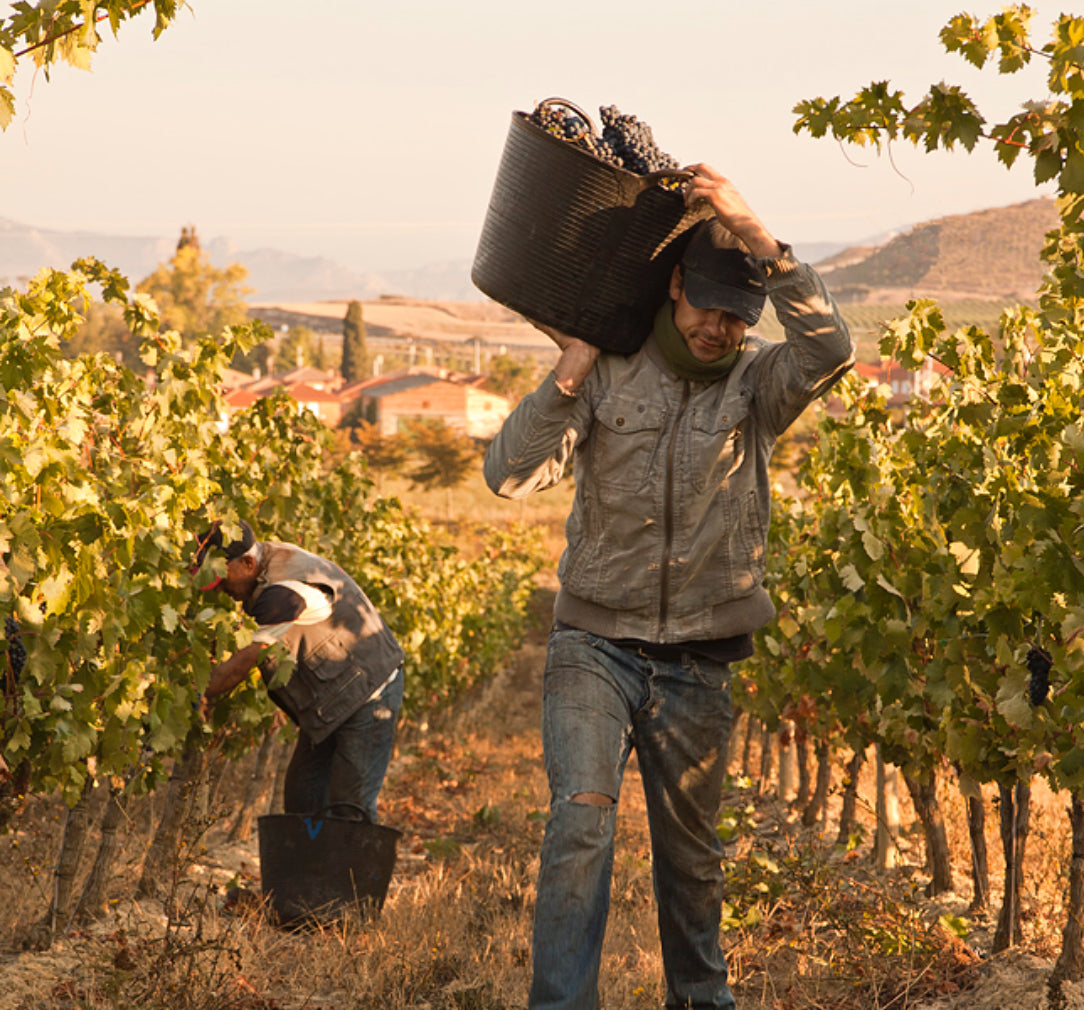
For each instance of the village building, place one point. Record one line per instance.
(391, 401)
(327, 406)
(903, 383)
(900, 384)
(388, 401)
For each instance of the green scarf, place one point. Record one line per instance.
(680, 358)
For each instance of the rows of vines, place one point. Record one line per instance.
(108, 476)
(931, 580)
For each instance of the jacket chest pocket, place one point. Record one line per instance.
(625, 443)
(326, 658)
(716, 447)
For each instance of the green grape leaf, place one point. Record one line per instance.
(1012, 700)
(1071, 179)
(963, 34)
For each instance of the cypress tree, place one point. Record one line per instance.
(355, 354)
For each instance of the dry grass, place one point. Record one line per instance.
(472, 507)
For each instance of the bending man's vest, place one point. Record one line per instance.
(342, 660)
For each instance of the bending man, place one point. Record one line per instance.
(347, 686)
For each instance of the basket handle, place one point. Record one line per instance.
(667, 173)
(575, 108)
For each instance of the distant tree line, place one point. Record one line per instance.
(431, 454)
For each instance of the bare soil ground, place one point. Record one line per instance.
(469, 794)
(433, 320)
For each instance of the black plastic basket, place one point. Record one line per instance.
(316, 867)
(576, 244)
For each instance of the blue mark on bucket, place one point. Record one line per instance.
(313, 829)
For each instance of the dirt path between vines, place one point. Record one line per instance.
(507, 715)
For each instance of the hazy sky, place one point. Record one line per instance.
(371, 132)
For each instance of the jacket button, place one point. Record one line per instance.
(620, 422)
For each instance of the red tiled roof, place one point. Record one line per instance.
(313, 376)
(304, 393)
(241, 398)
(264, 385)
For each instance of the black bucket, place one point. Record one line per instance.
(579, 245)
(317, 867)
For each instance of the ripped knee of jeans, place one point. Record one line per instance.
(592, 799)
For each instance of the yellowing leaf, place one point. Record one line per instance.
(872, 546)
(967, 559)
(851, 579)
(787, 625)
(56, 589)
(887, 586)
(34, 461)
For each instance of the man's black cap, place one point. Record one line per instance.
(720, 276)
(212, 540)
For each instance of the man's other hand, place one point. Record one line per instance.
(576, 361)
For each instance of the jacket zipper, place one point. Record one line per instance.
(668, 514)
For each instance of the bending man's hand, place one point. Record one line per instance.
(708, 186)
(576, 361)
(229, 673)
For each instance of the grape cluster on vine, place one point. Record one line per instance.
(16, 649)
(625, 142)
(1038, 664)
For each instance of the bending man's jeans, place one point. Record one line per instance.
(600, 701)
(349, 766)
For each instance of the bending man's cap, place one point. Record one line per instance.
(212, 540)
(719, 275)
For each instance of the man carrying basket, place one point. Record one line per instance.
(661, 580)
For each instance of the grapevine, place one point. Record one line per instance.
(933, 535)
(107, 482)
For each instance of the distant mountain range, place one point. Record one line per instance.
(273, 275)
(985, 254)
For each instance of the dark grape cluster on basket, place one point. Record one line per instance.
(625, 142)
(16, 650)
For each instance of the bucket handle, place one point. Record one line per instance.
(546, 102)
(327, 811)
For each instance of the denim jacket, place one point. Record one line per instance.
(669, 525)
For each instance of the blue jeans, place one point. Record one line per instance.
(349, 766)
(600, 701)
